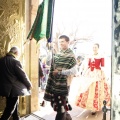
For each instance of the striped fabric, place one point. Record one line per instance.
(58, 84)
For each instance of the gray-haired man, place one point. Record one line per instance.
(13, 83)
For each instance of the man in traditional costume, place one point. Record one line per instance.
(63, 68)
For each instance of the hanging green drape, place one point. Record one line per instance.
(42, 26)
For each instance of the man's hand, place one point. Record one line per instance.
(55, 72)
(31, 87)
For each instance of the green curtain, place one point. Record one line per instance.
(42, 26)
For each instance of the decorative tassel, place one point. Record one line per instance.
(49, 40)
(69, 107)
(58, 97)
(49, 44)
(52, 103)
(66, 108)
(62, 109)
(60, 102)
(66, 99)
(54, 107)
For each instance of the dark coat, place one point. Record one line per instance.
(13, 80)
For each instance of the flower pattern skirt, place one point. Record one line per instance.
(97, 91)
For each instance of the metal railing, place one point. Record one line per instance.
(105, 109)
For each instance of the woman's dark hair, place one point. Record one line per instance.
(64, 37)
(80, 58)
(97, 44)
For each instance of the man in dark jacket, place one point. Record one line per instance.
(13, 83)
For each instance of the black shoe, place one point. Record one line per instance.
(93, 113)
(43, 104)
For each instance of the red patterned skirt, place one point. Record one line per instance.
(97, 92)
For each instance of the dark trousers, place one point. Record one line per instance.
(11, 109)
(63, 116)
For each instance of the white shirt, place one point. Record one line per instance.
(71, 71)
